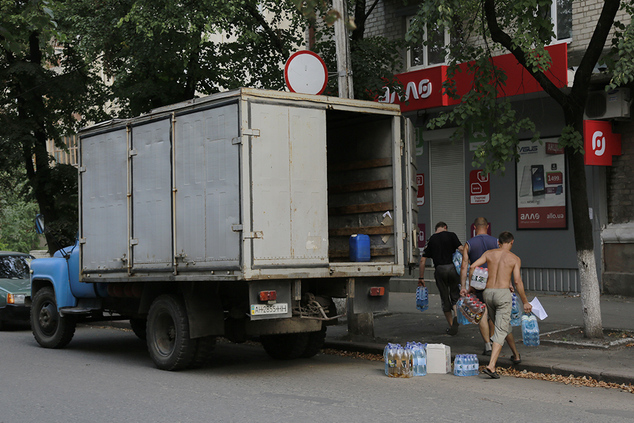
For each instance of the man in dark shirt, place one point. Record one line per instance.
(440, 249)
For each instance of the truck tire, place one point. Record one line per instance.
(204, 347)
(288, 346)
(168, 339)
(315, 343)
(50, 329)
(139, 327)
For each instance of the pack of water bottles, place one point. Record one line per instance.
(462, 320)
(466, 365)
(479, 277)
(515, 311)
(457, 260)
(405, 362)
(530, 330)
(471, 308)
(422, 298)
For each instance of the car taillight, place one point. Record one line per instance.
(268, 296)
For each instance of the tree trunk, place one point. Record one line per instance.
(590, 295)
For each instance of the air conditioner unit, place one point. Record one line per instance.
(608, 104)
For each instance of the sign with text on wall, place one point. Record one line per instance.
(479, 187)
(420, 195)
(540, 184)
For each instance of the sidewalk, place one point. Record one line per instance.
(403, 322)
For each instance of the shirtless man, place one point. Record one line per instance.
(502, 265)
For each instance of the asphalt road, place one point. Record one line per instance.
(105, 375)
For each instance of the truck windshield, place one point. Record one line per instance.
(14, 267)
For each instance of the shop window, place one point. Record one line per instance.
(432, 51)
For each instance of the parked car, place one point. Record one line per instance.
(15, 287)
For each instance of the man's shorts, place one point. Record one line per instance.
(499, 303)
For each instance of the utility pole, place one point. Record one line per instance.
(342, 47)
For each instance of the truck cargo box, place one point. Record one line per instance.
(247, 185)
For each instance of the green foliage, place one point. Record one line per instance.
(373, 62)
(46, 86)
(17, 213)
(480, 112)
(62, 189)
(620, 60)
(163, 52)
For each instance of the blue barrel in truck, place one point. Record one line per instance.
(230, 215)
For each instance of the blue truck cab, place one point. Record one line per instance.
(58, 294)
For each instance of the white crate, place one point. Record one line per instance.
(438, 358)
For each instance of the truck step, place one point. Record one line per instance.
(77, 311)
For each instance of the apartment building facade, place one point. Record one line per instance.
(532, 198)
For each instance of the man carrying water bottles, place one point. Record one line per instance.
(473, 250)
(440, 248)
(502, 266)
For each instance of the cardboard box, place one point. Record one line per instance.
(438, 358)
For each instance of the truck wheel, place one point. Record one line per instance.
(288, 346)
(315, 343)
(168, 334)
(204, 347)
(139, 327)
(50, 329)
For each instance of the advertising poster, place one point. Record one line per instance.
(541, 197)
(479, 187)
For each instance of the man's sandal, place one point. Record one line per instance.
(492, 375)
(516, 361)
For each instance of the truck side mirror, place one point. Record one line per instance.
(39, 223)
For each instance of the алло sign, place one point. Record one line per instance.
(600, 143)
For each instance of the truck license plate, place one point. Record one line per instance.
(259, 309)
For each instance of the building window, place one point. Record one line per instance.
(561, 15)
(432, 52)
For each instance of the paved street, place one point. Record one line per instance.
(105, 375)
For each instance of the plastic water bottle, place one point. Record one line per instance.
(386, 354)
(475, 365)
(530, 330)
(419, 359)
(462, 319)
(458, 366)
(422, 298)
(515, 311)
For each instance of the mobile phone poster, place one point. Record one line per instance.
(541, 196)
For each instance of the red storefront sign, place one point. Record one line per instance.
(420, 195)
(423, 88)
(600, 143)
(479, 187)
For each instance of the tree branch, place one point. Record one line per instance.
(277, 41)
(499, 36)
(595, 47)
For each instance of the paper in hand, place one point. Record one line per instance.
(538, 309)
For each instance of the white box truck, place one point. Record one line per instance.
(231, 216)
